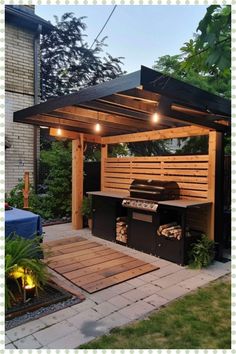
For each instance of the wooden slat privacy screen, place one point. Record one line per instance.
(190, 172)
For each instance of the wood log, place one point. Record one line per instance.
(120, 223)
(177, 227)
(165, 226)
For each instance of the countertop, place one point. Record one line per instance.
(180, 203)
(112, 194)
(183, 203)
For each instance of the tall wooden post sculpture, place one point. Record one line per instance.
(26, 190)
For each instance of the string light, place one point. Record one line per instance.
(155, 117)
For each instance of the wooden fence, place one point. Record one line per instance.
(190, 172)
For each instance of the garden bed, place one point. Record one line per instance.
(49, 300)
(52, 222)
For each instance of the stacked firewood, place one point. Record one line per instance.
(171, 230)
(121, 229)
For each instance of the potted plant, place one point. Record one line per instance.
(86, 210)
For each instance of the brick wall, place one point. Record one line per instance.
(20, 157)
(19, 87)
(19, 60)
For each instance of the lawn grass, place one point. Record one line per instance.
(201, 320)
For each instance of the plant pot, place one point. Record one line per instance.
(90, 223)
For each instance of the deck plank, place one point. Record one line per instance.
(98, 267)
(88, 262)
(86, 280)
(73, 260)
(116, 279)
(91, 265)
(76, 253)
(67, 246)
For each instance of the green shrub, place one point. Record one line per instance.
(202, 253)
(38, 204)
(57, 160)
(22, 262)
(57, 202)
(86, 209)
(15, 197)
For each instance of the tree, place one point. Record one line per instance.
(69, 64)
(215, 37)
(205, 60)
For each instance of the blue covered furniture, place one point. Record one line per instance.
(23, 223)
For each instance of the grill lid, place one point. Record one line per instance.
(155, 190)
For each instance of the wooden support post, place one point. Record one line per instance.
(77, 182)
(26, 190)
(103, 157)
(219, 194)
(215, 185)
(211, 182)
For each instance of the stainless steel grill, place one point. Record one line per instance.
(145, 194)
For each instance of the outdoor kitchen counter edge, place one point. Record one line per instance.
(110, 194)
(182, 203)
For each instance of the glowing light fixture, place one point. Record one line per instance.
(97, 126)
(155, 117)
(59, 131)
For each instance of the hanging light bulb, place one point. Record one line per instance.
(97, 127)
(155, 117)
(59, 132)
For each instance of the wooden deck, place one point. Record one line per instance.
(90, 265)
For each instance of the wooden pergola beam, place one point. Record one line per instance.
(88, 115)
(172, 133)
(129, 102)
(81, 121)
(89, 138)
(69, 124)
(169, 116)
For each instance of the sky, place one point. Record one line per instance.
(139, 33)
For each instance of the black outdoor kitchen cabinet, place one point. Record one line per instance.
(171, 249)
(105, 211)
(142, 226)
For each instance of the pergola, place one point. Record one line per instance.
(124, 107)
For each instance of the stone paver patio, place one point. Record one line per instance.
(112, 307)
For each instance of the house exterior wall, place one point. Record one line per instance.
(19, 94)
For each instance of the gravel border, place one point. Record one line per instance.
(43, 311)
